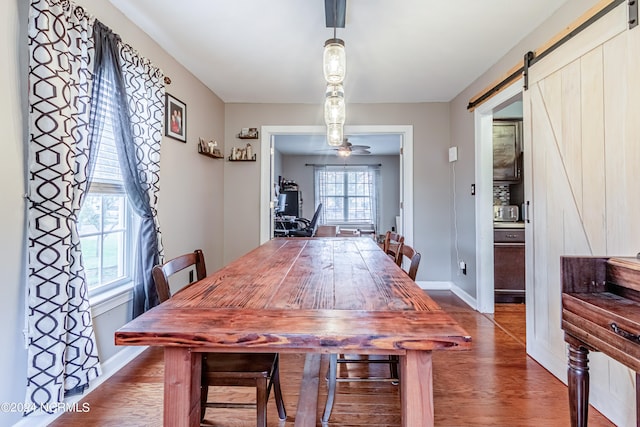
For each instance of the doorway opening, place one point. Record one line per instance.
(483, 117)
(269, 135)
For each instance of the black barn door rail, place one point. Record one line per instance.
(530, 58)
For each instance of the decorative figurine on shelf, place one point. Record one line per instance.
(248, 133)
(210, 147)
(245, 153)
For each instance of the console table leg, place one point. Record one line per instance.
(578, 377)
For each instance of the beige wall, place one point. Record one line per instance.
(191, 185)
(462, 136)
(430, 123)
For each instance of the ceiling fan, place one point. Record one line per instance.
(347, 149)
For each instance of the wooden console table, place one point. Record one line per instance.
(600, 312)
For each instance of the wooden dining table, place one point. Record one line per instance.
(300, 295)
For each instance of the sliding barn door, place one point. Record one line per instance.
(582, 145)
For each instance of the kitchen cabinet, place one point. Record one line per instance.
(509, 265)
(507, 151)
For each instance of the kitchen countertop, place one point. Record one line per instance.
(508, 224)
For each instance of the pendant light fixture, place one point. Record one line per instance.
(334, 114)
(334, 64)
(334, 60)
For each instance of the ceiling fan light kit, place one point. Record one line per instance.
(346, 149)
(344, 152)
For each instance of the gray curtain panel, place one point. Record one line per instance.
(138, 106)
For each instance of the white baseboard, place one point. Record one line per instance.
(449, 286)
(110, 367)
(464, 296)
(435, 286)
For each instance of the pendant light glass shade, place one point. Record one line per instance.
(334, 105)
(335, 135)
(334, 61)
(334, 113)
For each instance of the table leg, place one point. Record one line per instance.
(416, 389)
(182, 369)
(578, 379)
(331, 387)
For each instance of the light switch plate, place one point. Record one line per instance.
(453, 154)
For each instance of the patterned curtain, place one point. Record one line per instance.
(139, 154)
(62, 351)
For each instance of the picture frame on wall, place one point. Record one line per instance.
(175, 118)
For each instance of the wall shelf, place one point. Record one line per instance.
(248, 133)
(213, 156)
(253, 159)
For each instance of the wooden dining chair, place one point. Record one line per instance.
(406, 251)
(259, 370)
(391, 244)
(402, 251)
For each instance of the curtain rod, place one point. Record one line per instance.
(341, 164)
(531, 58)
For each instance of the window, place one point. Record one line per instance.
(348, 194)
(106, 222)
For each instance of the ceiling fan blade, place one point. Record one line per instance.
(360, 152)
(360, 147)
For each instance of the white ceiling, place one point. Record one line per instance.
(403, 51)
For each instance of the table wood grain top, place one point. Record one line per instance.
(318, 295)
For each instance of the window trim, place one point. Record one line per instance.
(98, 293)
(345, 220)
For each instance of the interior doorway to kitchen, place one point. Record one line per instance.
(483, 118)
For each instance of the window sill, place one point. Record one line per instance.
(110, 299)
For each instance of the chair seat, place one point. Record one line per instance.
(250, 365)
(259, 370)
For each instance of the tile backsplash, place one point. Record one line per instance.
(501, 195)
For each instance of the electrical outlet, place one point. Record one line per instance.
(463, 267)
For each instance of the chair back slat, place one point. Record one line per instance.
(161, 273)
(391, 245)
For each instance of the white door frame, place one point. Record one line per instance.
(406, 168)
(483, 117)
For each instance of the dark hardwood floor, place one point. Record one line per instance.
(495, 384)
